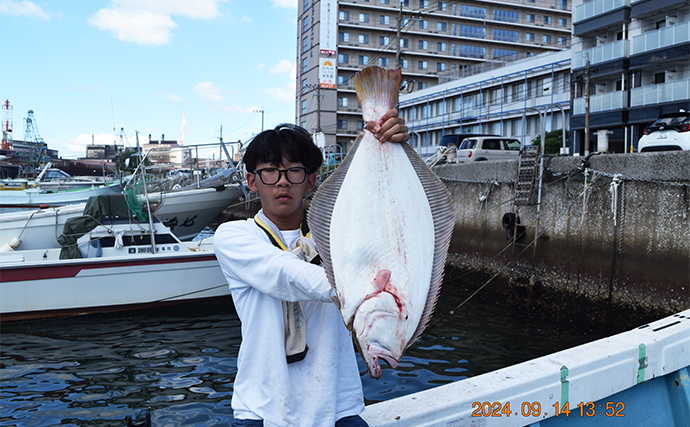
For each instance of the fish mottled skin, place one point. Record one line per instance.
(382, 223)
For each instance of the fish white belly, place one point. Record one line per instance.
(382, 221)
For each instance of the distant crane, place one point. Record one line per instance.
(7, 125)
(32, 138)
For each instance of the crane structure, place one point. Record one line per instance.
(6, 125)
(37, 147)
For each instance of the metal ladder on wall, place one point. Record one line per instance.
(529, 165)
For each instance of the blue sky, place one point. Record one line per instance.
(86, 67)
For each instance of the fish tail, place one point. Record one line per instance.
(377, 90)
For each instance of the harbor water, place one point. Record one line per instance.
(179, 363)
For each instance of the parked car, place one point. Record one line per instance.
(456, 138)
(670, 132)
(480, 148)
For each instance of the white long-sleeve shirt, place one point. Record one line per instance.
(316, 391)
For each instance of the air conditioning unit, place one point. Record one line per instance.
(671, 20)
(670, 75)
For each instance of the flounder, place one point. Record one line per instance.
(382, 223)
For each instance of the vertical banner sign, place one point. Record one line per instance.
(327, 73)
(329, 27)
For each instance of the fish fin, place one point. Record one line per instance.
(443, 217)
(321, 211)
(377, 90)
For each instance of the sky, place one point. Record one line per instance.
(88, 68)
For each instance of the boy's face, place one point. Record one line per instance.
(282, 201)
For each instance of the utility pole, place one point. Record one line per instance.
(318, 105)
(398, 50)
(587, 105)
(262, 117)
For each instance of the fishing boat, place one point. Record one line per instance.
(638, 377)
(107, 259)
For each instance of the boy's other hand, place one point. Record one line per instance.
(390, 128)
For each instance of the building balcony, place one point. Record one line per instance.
(678, 90)
(664, 37)
(606, 52)
(597, 7)
(603, 102)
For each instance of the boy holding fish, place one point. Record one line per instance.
(296, 364)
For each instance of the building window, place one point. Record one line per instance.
(421, 85)
(562, 22)
(440, 66)
(546, 38)
(506, 15)
(441, 47)
(306, 4)
(363, 59)
(562, 41)
(530, 17)
(422, 65)
(342, 80)
(304, 107)
(364, 17)
(305, 64)
(442, 6)
(563, 4)
(547, 20)
(423, 44)
(342, 124)
(472, 31)
(342, 102)
(505, 35)
(343, 58)
(528, 54)
(305, 86)
(471, 51)
(363, 39)
(385, 1)
(384, 20)
(404, 43)
(344, 37)
(423, 4)
(441, 26)
(360, 125)
(344, 15)
(505, 55)
(305, 24)
(404, 63)
(405, 2)
(384, 41)
(529, 37)
(383, 62)
(305, 44)
(473, 12)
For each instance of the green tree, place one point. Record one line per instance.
(554, 141)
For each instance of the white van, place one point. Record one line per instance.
(482, 148)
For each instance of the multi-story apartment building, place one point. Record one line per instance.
(429, 40)
(521, 100)
(639, 68)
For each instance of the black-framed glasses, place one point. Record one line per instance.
(270, 176)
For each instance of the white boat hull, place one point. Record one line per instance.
(35, 197)
(32, 288)
(185, 212)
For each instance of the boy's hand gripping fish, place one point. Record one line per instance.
(382, 223)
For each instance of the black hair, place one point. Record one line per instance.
(285, 140)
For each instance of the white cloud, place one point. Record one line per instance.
(286, 93)
(288, 4)
(208, 92)
(149, 22)
(246, 19)
(169, 96)
(23, 8)
(281, 67)
(139, 26)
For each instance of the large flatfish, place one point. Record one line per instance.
(382, 223)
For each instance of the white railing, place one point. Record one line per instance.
(603, 102)
(664, 37)
(602, 53)
(596, 7)
(665, 92)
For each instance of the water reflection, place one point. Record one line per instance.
(180, 363)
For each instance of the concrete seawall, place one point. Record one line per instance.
(613, 234)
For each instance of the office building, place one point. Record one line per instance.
(432, 41)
